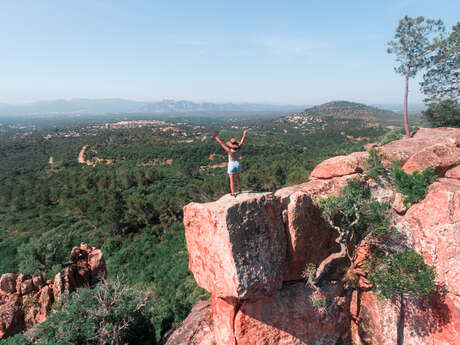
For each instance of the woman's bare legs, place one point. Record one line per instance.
(238, 182)
(232, 188)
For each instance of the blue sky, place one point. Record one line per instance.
(285, 52)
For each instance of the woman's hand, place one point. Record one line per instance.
(245, 132)
(214, 135)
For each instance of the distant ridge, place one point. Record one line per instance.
(120, 106)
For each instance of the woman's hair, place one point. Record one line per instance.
(233, 144)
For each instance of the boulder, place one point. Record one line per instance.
(295, 315)
(340, 166)
(97, 266)
(11, 317)
(45, 300)
(398, 204)
(196, 329)
(8, 283)
(236, 246)
(439, 156)
(453, 172)
(403, 149)
(317, 188)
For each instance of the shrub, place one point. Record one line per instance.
(401, 273)
(18, 339)
(412, 186)
(319, 302)
(373, 164)
(354, 211)
(390, 136)
(111, 313)
(309, 272)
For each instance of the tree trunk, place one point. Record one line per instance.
(401, 320)
(406, 93)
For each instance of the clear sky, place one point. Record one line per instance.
(286, 52)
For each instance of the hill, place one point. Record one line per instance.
(340, 112)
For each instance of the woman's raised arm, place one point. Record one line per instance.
(220, 142)
(244, 136)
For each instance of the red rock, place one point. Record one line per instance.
(310, 238)
(27, 286)
(378, 320)
(97, 266)
(45, 301)
(223, 314)
(317, 188)
(340, 166)
(11, 319)
(398, 204)
(38, 281)
(8, 283)
(19, 281)
(236, 246)
(289, 318)
(196, 329)
(24, 302)
(453, 172)
(404, 148)
(439, 156)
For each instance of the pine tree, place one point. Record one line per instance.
(412, 46)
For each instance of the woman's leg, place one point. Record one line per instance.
(232, 188)
(238, 182)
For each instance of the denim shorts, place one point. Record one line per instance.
(233, 167)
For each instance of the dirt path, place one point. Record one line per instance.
(81, 155)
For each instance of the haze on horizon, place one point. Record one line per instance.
(304, 52)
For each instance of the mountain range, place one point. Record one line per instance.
(120, 106)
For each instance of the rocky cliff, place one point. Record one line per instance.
(26, 301)
(250, 252)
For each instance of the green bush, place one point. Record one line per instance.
(412, 186)
(354, 211)
(18, 339)
(401, 273)
(390, 136)
(111, 313)
(373, 164)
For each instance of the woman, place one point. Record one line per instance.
(233, 148)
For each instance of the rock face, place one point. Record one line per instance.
(244, 251)
(291, 317)
(250, 253)
(310, 237)
(453, 172)
(196, 329)
(424, 138)
(26, 301)
(242, 236)
(340, 166)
